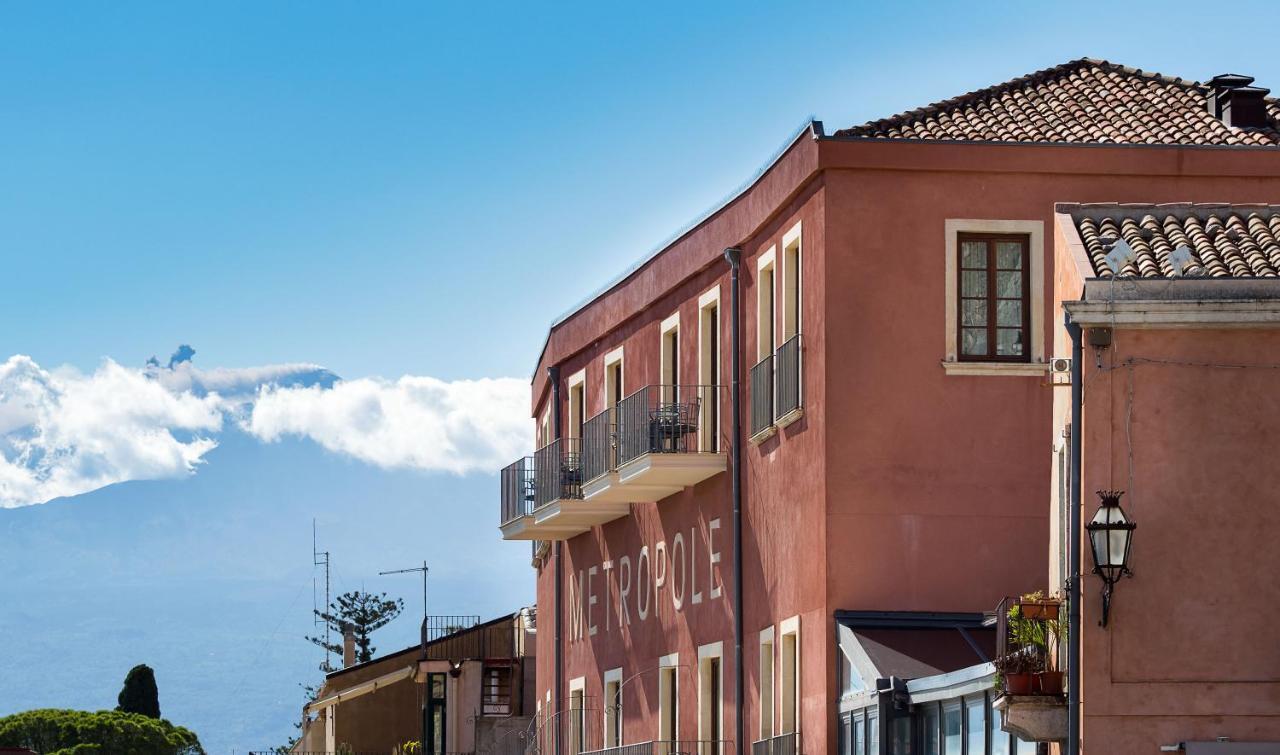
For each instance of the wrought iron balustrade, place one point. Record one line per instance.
(599, 445)
(662, 419)
(782, 744)
(762, 395)
(787, 368)
(557, 471)
(517, 482)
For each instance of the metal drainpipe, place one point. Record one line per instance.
(1074, 577)
(734, 257)
(553, 375)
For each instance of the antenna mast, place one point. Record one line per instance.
(321, 558)
(422, 569)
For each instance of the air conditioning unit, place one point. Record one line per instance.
(1061, 365)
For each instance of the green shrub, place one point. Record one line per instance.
(78, 732)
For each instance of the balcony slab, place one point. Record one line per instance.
(1035, 718)
(671, 470)
(610, 488)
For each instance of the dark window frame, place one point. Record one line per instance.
(992, 334)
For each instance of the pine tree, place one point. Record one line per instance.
(364, 612)
(139, 694)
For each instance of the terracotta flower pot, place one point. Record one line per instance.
(1042, 610)
(1017, 684)
(1049, 682)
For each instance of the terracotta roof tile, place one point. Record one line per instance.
(1225, 240)
(1084, 101)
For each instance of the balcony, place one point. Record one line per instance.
(783, 744)
(776, 382)
(657, 441)
(542, 496)
(1028, 649)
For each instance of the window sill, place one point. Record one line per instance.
(789, 417)
(763, 435)
(1011, 369)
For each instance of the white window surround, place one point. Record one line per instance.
(671, 662)
(708, 302)
(668, 326)
(788, 628)
(1033, 228)
(712, 650)
(766, 683)
(610, 359)
(790, 240)
(577, 380)
(612, 706)
(766, 263)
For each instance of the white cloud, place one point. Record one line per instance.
(66, 433)
(63, 432)
(417, 422)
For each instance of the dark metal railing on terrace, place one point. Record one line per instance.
(599, 445)
(662, 419)
(782, 744)
(517, 489)
(557, 471)
(787, 367)
(762, 395)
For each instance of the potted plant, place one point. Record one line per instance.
(1036, 605)
(1016, 676)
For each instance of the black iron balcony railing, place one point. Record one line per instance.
(787, 361)
(669, 747)
(662, 419)
(517, 489)
(762, 395)
(599, 445)
(557, 471)
(782, 744)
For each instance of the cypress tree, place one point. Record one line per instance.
(139, 694)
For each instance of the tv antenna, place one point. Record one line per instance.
(422, 569)
(321, 558)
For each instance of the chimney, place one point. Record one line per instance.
(348, 646)
(1236, 103)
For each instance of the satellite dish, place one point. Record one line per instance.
(1121, 254)
(1180, 259)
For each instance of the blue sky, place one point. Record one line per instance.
(406, 195)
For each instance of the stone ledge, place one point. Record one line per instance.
(1037, 718)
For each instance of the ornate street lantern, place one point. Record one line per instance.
(1110, 537)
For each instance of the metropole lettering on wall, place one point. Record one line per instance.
(680, 571)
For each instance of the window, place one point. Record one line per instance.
(670, 358)
(859, 734)
(710, 695)
(613, 390)
(790, 675)
(902, 735)
(544, 429)
(495, 698)
(577, 403)
(999, 739)
(975, 711)
(435, 714)
(577, 716)
(709, 369)
(931, 730)
(765, 305)
(791, 283)
(951, 728)
(613, 708)
(995, 309)
(873, 732)
(668, 699)
(766, 683)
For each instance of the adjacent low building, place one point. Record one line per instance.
(466, 688)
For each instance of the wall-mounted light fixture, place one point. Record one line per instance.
(1110, 537)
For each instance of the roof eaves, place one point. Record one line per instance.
(811, 125)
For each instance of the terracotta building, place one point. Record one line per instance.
(789, 463)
